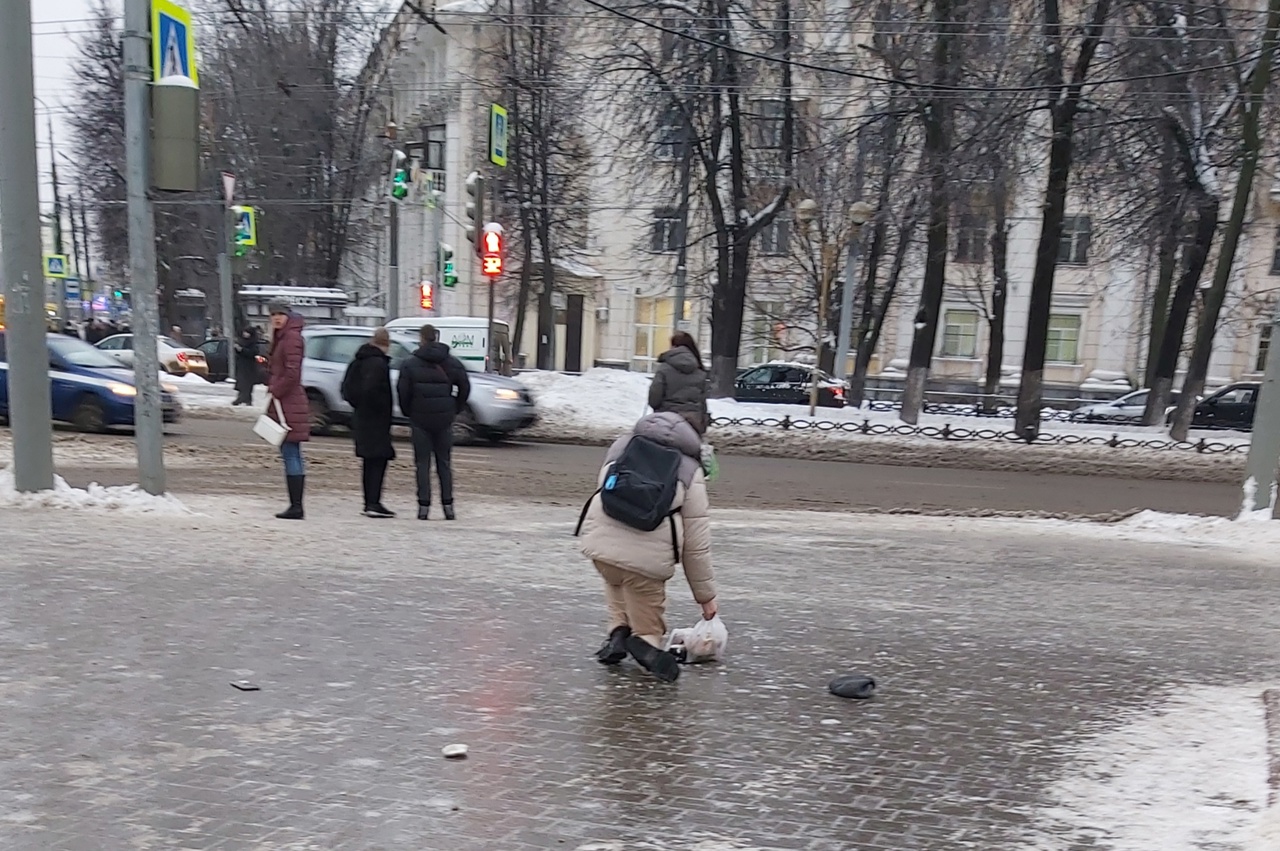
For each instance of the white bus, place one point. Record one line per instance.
(466, 336)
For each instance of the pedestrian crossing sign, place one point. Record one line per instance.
(55, 266)
(173, 42)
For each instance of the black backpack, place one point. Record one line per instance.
(640, 487)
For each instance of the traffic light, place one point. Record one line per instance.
(399, 176)
(428, 296)
(491, 250)
(246, 229)
(475, 210)
(448, 273)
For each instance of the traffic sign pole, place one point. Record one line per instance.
(148, 414)
(20, 263)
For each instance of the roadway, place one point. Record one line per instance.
(222, 456)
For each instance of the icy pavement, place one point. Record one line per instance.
(1043, 686)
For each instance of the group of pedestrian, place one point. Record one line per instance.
(97, 330)
(432, 389)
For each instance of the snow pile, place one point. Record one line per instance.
(604, 400)
(1248, 529)
(1188, 773)
(127, 500)
(196, 394)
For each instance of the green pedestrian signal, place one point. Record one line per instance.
(400, 184)
(450, 276)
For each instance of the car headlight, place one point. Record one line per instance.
(505, 395)
(126, 390)
(168, 388)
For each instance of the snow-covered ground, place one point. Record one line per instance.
(611, 400)
(199, 397)
(129, 500)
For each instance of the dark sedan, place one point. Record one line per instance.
(788, 384)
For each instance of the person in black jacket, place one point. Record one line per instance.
(246, 351)
(433, 389)
(367, 389)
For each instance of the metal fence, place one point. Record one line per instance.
(1202, 445)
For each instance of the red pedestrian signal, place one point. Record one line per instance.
(492, 242)
(428, 300)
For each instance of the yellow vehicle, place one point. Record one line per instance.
(51, 320)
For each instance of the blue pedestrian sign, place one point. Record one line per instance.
(173, 42)
(55, 266)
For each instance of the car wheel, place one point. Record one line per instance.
(321, 416)
(496, 437)
(90, 415)
(464, 427)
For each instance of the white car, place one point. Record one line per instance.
(175, 358)
(1127, 409)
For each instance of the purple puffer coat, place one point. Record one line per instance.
(284, 380)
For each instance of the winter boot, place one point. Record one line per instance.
(448, 511)
(660, 663)
(379, 511)
(424, 512)
(296, 485)
(614, 649)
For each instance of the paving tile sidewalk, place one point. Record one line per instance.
(1000, 648)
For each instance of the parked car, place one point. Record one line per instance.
(1231, 407)
(217, 354)
(789, 384)
(89, 389)
(498, 405)
(1128, 408)
(175, 358)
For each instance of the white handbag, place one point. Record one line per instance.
(268, 429)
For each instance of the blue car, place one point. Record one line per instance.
(89, 389)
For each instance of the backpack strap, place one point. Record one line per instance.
(582, 518)
(675, 538)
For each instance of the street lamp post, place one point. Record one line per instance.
(860, 213)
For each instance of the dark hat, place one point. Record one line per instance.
(277, 306)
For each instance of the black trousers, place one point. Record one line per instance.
(438, 445)
(372, 477)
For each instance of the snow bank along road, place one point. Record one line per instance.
(1043, 686)
(221, 456)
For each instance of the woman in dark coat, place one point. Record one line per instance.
(367, 388)
(246, 355)
(284, 384)
(680, 383)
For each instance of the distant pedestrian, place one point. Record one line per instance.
(680, 382)
(636, 564)
(284, 384)
(247, 349)
(367, 389)
(433, 389)
(175, 333)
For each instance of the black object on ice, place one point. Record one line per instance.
(244, 685)
(856, 686)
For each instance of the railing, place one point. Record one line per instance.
(1202, 446)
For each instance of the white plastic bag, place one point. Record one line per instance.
(706, 641)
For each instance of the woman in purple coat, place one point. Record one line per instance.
(284, 384)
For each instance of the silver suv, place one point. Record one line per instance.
(498, 405)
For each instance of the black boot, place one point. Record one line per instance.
(296, 486)
(614, 649)
(448, 511)
(424, 512)
(660, 663)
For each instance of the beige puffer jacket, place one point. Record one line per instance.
(650, 553)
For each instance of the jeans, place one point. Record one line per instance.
(292, 455)
(375, 471)
(437, 444)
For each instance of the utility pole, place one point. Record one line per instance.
(1264, 444)
(148, 417)
(859, 214)
(61, 283)
(682, 258)
(76, 239)
(224, 273)
(393, 237)
(22, 264)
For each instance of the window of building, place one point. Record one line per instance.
(1062, 345)
(766, 330)
(655, 320)
(960, 334)
(971, 238)
(1264, 346)
(1275, 256)
(775, 237)
(666, 230)
(436, 141)
(770, 115)
(1077, 231)
(670, 135)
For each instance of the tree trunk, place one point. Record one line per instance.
(1195, 256)
(1168, 266)
(1251, 144)
(999, 298)
(936, 149)
(868, 343)
(862, 333)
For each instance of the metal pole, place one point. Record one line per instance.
(60, 284)
(682, 259)
(1264, 445)
(846, 306)
(76, 239)
(824, 296)
(393, 265)
(224, 285)
(23, 276)
(148, 417)
(492, 283)
(437, 234)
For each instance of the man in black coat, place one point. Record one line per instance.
(433, 390)
(367, 388)
(245, 351)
